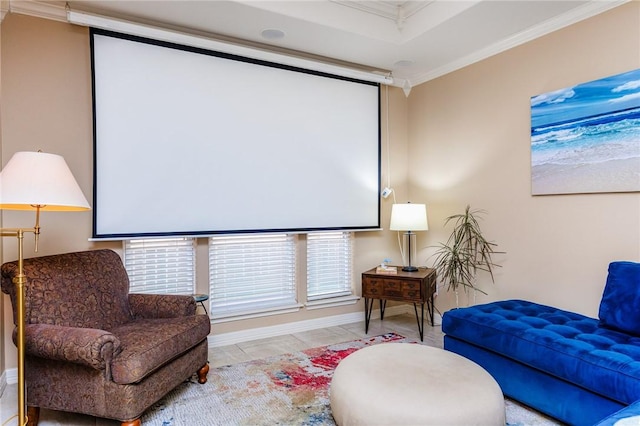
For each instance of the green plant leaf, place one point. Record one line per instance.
(465, 253)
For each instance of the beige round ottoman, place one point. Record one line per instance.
(410, 384)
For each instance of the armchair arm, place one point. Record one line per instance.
(87, 346)
(161, 305)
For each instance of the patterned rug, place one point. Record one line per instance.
(291, 389)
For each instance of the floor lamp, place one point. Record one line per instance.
(40, 182)
(409, 217)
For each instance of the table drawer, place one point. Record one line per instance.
(372, 287)
(412, 290)
(402, 289)
(409, 290)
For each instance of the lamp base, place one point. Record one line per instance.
(410, 269)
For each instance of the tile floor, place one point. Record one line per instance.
(402, 324)
(405, 325)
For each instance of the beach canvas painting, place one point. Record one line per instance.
(586, 138)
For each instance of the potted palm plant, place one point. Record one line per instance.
(465, 253)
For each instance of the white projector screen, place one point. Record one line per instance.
(194, 142)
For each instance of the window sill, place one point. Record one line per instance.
(332, 302)
(255, 314)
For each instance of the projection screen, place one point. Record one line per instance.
(194, 142)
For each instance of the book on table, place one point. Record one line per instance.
(388, 270)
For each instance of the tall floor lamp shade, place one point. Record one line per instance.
(409, 217)
(34, 181)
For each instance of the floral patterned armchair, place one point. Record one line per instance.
(93, 348)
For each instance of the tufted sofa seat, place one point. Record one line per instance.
(565, 344)
(572, 367)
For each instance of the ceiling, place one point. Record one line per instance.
(414, 40)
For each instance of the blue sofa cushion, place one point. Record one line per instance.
(563, 344)
(630, 413)
(620, 304)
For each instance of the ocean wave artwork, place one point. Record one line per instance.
(586, 138)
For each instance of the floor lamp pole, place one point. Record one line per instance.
(19, 282)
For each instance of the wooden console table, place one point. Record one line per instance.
(416, 287)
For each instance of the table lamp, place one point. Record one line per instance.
(34, 181)
(409, 217)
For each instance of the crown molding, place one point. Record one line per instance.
(386, 9)
(397, 12)
(4, 9)
(589, 10)
(40, 9)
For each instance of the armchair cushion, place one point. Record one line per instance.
(87, 346)
(150, 343)
(620, 304)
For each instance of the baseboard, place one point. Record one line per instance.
(11, 376)
(3, 382)
(235, 337)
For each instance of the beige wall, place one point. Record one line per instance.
(46, 104)
(469, 134)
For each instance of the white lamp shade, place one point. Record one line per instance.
(409, 217)
(39, 179)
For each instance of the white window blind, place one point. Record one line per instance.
(329, 264)
(251, 274)
(161, 266)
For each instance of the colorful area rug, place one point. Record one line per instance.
(291, 389)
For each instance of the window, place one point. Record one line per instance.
(329, 265)
(161, 266)
(251, 274)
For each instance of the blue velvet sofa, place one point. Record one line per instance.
(577, 369)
